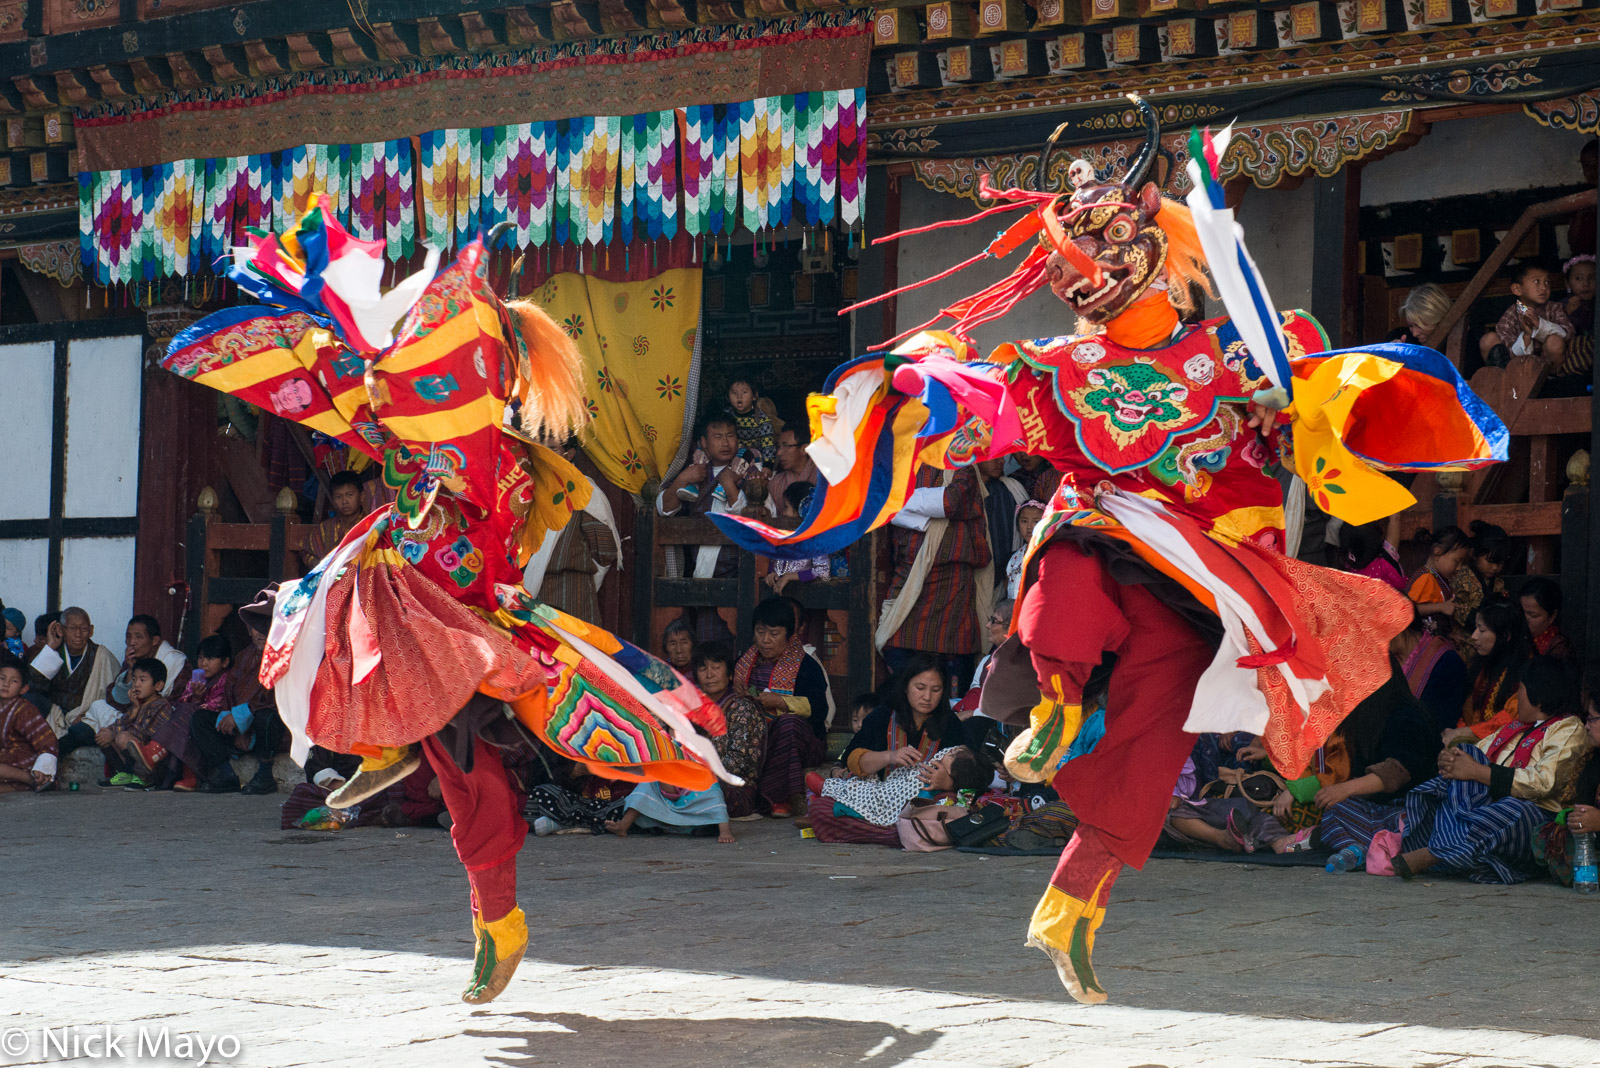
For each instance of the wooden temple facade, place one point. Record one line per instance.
(141, 134)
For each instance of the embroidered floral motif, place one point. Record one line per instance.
(461, 560)
(669, 387)
(1321, 483)
(662, 297)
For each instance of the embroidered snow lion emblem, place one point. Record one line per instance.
(1134, 398)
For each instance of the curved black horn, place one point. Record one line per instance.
(496, 234)
(1044, 161)
(1152, 140)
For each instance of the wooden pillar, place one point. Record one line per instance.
(1585, 626)
(1335, 218)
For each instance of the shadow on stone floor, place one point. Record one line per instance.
(535, 1038)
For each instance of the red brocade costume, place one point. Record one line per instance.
(415, 630)
(1160, 553)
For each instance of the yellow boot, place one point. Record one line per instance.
(1064, 927)
(1037, 753)
(376, 774)
(500, 946)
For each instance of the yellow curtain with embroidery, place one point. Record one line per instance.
(637, 340)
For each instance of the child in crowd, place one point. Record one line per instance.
(880, 802)
(1028, 516)
(12, 621)
(1575, 376)
(28, 748)
(1533, 325)
(784, 572)
(755, 428)
(1368, 552)
(344, 495)
(1430, 588)
(657, 806)
(132, 753)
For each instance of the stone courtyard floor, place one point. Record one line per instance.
(138, 914)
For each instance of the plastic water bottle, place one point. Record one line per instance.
(1584, 876)
(1350, 858)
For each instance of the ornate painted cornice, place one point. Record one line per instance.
(1580, 113)
(1267, 154)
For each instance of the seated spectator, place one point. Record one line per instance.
(712, 485)
(11, 623)
(414, 801)
(344, 499)
(1553, 846)
(1431, 587)
(1481, 578)
(792, 691)
(879, 801)
(1479, 816)
(794, 463)
(1367, 552)
(89, 669)
(1534, 325)
(1392, 742)
(142, 639)
(1424, 308)
(1575, 376)
(1028, 517)
(744, 746)
(41, 628)
(1002, 496)
(1435, 673)
(914, 722)
(1231, 824)
(677, 647)
(136, 759)
(250, 725)
(209, 696)
(1541, 607)
(657, 806)
(1501, 640)
(783, 572)
(28, 749)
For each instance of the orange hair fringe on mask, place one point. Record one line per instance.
(549, 374)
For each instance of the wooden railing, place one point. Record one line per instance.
(220, 585)
(658, 598)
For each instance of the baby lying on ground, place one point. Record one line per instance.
(880, 801)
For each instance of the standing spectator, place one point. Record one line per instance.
(1028, 517)
(28, 749)
(1534, 325)
(1038, 478)
(257, 715)
(1541, 607)
(794, 463)
(754, 426)
(942, 588)
(344, 495)
(568, 568)
(89, 669)
(1580, 233)
(1003, 496)
(792, 690)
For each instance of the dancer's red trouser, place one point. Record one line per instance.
(1121, 791)
(487, 827)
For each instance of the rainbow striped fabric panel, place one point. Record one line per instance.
(706, 170)
(179, 219)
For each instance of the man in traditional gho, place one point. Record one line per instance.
(71, 672)
(414, 633)
(1162, 545)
